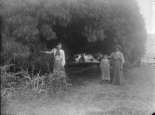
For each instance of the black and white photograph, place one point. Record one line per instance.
(77, 57)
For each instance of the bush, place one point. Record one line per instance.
(25, 84)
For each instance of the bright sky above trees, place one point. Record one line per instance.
(147, 8)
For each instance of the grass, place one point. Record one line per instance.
(135, 97)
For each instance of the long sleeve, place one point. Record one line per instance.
(122, 58)
(50, 52)
(63, 58)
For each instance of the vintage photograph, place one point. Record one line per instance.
(77, 57)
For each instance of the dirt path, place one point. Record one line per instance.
(135, 97)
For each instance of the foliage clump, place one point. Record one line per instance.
(82, 26)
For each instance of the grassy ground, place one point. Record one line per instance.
(88, 97)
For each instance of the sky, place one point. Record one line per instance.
(147, 8)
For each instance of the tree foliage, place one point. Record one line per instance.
(81, 25)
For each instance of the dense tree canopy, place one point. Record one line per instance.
(81, 25)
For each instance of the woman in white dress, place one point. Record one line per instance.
(59, 58)
(105, 68)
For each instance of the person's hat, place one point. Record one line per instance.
(118, 46)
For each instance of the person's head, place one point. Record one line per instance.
(105, 56)
(118, 48)
(59, 46)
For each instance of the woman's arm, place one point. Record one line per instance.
(48, 52)
(122, 58)
(63, 58)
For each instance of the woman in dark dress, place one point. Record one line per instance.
(117, 66)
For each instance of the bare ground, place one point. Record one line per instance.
(135, 97)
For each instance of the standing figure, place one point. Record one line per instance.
(59, 58)
(117, 66)
(58, 81)
(105, 68)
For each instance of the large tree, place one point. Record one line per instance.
(82, 25)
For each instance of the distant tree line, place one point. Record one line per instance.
(81, 25)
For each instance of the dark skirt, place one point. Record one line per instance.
(116, 72)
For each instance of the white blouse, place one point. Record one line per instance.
(62, 55)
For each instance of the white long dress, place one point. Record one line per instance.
(105, 69)
(59, 60)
